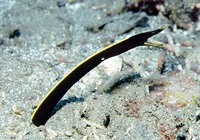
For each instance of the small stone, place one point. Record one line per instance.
(17, 110)
(92, 80)
(111, 66)
(51, 133)
(68, 133)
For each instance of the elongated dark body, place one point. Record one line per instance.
(44, 109)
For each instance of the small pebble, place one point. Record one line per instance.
(111, 66)
(92, 80)
(68, 133)
(51, 133)
(17, 110)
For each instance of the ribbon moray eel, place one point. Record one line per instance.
(43, 111)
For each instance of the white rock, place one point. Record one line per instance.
(51, 133)
(92, 80)
(17, 109)
(111, 66)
